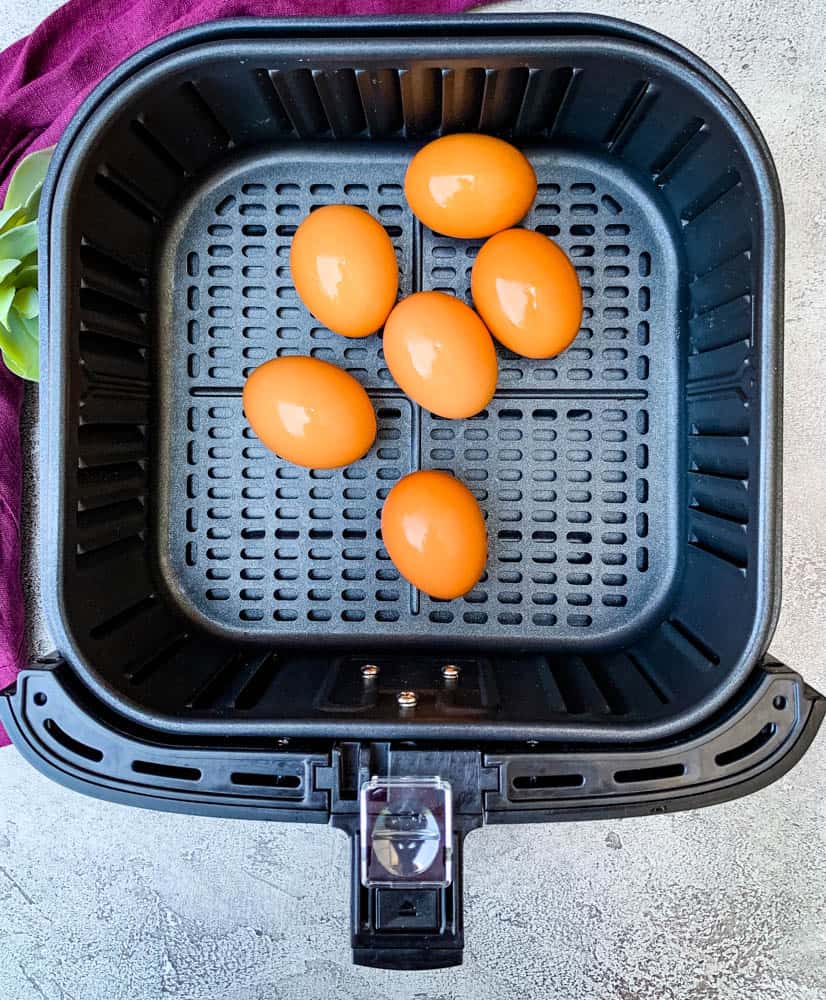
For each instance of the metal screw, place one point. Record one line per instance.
(369, 671)
(532, 743)
(406, 699)
(450, 672)
(283, 741)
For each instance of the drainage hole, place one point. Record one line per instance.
(528, 781)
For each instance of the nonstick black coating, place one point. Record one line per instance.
(631, 485)
(574, 463)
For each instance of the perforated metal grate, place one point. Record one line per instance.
(567, 494)
(573, 462)
(286, 547)
(241, 306)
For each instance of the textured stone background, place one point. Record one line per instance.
(101, 902)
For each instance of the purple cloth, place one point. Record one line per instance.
(11, 596)
(43, 78)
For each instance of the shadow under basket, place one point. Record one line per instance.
(204, 594)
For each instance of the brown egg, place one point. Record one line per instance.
(527, 292)
(309, 412)
(439, 352)
(434, 532)
(469, 185)
(344, 269)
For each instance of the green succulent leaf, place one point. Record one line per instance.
(13, 364)
(19, 305)
(7, 215)
(26, 277)
(20, 241)
(25, 302)
(6, 299)
(6, 268)
(27, 178)
(30, 326)
(19, 346)
(32, 205)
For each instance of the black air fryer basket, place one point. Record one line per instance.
(233, 639)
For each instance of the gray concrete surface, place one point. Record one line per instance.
(100, 902)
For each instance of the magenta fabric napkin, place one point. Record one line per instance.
(43, 78)
(11, 475)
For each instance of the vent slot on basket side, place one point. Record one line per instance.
(156, 148)
(546, 91)
(698, 644)
(300, 99)
(71, 744)
(106, 628)
(751, 746)
(184, 125)
(158, 770)
(527, 782)
(708, 193)
(659, 773)
(120, 191)
(338, 93)
(381, 102)
(462, 94)
(721, 455)
(258, 684)
(255, 779)
(107, 276)
(107, 316)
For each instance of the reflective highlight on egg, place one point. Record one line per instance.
(434, 532)
(309, 412)
(469, 185)
(344, 269)
(527, 291)
(441, 354)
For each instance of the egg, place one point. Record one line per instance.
(344, 269)
(434, 532)
(309, 412)
(527, 292)
(441, 354)
(469, 185)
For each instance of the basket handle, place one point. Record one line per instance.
(407, 813)
(407, 928)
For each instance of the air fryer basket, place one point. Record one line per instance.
(201, 590)
(629, 484)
